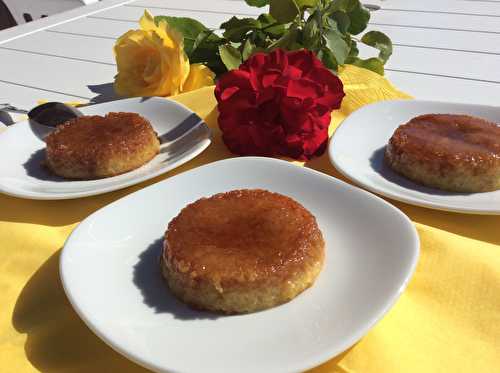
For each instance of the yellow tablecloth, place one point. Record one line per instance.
(448, 320)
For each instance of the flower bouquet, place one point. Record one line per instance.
(275, 74)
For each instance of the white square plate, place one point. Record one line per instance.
(110, 272)
(182, 133)
(357, 151)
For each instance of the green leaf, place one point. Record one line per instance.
(260, 39)
(257, 3)
(266, 20)
(359, 19)
(311, 32)
(271, 26)
(337, 45)
(248, 49)
(306, 3)
(236, 28)
(373, 64)
(287, 40)
(206, 51)
(326, 56)
(354, 51)
(341, 20)
(230, 56)
(284, 11)
(210, 58)
(380, 41)
(207, 39)
(342, 5)
(188, 27)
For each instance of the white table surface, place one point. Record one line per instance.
(446, 50)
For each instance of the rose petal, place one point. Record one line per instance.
(278, 104)
(303, 89)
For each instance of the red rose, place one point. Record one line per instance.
(278, 104)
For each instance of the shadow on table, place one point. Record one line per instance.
(5, 118)
(105, 93)
(57, 339)
(148, 278)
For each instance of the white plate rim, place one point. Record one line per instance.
(414, 246)
(401, 197)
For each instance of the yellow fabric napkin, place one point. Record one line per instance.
(448, 320)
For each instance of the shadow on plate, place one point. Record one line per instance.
(57, 340)
(380, 167)
(34, 167)
(149, 280)
(189, 123)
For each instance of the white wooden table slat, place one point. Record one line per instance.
(51, 73)
(445, 39)
(9, 90)
(480, 66)
(442, 39)
(446, 63)
(97, 27)
(486, 8)
(85, 49)
(441, 50)
(438, 39)
(132, 14)
(438, 21)
(435, 88)
(200, 6)
(43, 23)
(428, 6)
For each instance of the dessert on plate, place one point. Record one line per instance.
(93, 147)
(242, 251)
(457, 153)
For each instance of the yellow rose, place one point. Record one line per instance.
(151, 62)
(199, 76)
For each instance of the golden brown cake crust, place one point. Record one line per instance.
(94, 146)
(451, 152)
(244, 240)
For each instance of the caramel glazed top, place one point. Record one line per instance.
(450, 137)
(244, 235)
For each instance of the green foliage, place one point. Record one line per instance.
(230, 56)
(359, 17)
(257, 3)
(326, 27)
(236, 29)
(373, 64)
(306, 3)
(248, 49)
(337, 45)
(380, 41)
(284, 11)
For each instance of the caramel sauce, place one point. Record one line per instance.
(243, 235)
(94, 132)
(450, 138)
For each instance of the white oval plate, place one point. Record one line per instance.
(110, 272)
(357, 151)
(184, 135)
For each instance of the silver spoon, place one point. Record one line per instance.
(49, 114)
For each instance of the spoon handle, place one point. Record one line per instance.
(12, 109)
